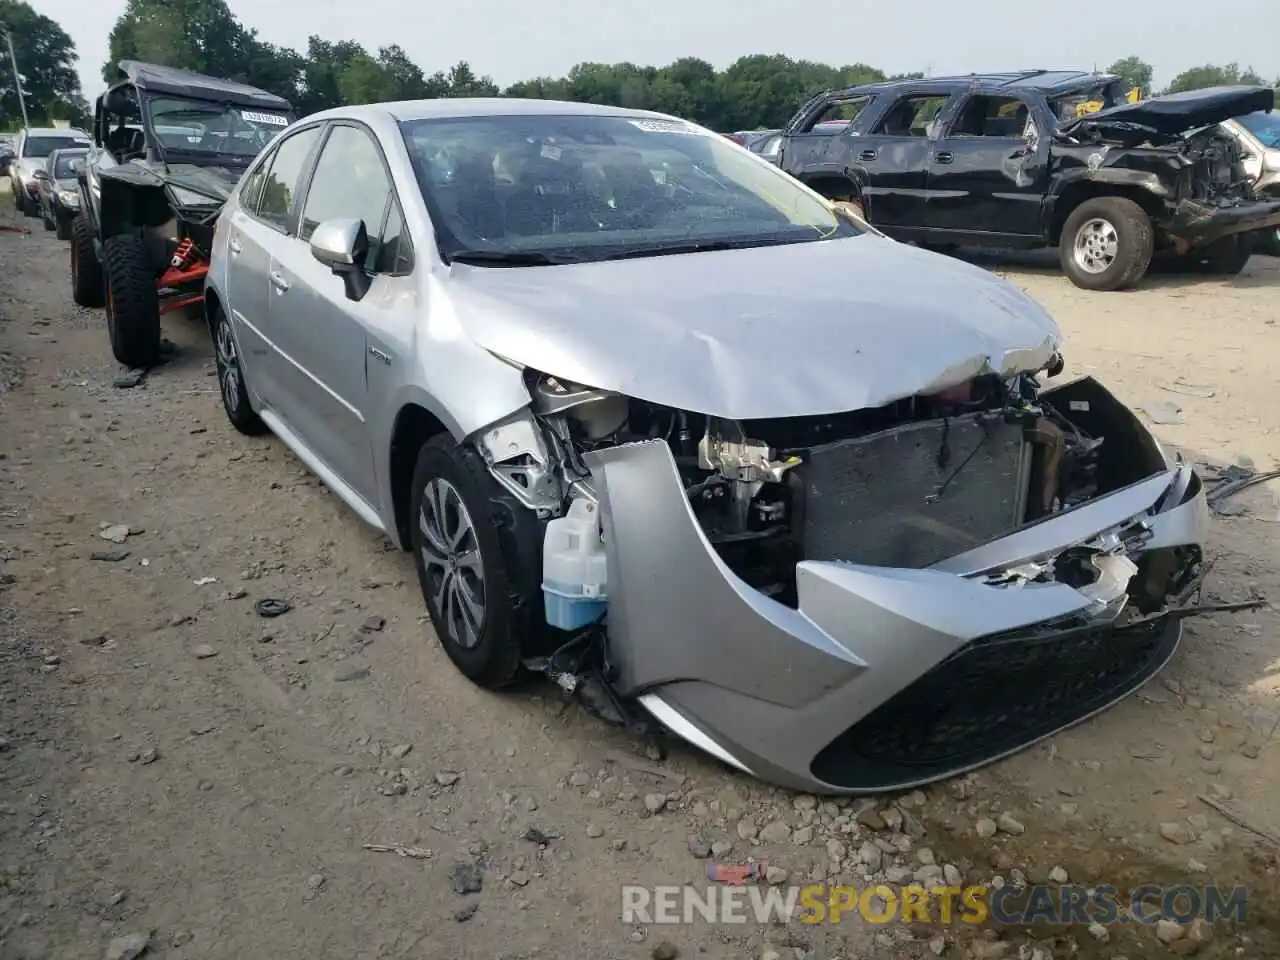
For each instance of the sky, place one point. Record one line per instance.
(515, 39)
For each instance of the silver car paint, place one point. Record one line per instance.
(689, 634)
(759, 684)
(715, 332)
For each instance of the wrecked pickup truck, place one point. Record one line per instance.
(169, 146)
(1003, 160)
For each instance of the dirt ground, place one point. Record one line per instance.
(176, 769)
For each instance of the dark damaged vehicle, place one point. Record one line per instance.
(1006, 160)
(168, 147)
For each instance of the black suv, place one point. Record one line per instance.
(1040, 158)
(168, 147)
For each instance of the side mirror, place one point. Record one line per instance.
(341, 246)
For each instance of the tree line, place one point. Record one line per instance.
(755, 92)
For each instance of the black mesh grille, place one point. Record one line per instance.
(991, 697)
(914, 495)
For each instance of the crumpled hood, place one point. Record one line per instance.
(1179, 112)
(783, 331)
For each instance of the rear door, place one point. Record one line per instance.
(261, 221)
(988, 171)
(893, 159)
(325, 333)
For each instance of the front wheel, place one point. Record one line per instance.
(235, 395)
(483, 604)
(133, 302)
(1106, 244)
(1271, 243)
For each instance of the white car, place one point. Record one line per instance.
(31, 154)
(1259, 137)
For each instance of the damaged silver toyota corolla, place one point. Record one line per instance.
(658, 423)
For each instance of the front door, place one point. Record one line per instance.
(324, 332)
(988, 171)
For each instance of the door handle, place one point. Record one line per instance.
(279, 282)
(234, 246)
(943, 157)
(867, 155)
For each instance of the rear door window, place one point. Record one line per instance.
(912, 115)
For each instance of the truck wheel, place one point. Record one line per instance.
(1225, 257)
(1271, 243)
(133, 304)
(86, 271)
(1106, 244)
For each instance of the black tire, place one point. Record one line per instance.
(1119, 219)
(509, 540)
(87, 288)
(29, 207)
(61, 230)
(235, 396)
(1225, 257)
(1270, 244)
(48, 224)
(133, 303)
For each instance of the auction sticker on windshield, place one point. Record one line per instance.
(665, 126)
(271, 118)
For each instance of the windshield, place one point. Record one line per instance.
(1264, 126)
(62, 165)
(41, 147)
(591, 187)
(201, 126)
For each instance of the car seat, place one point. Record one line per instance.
(473, 185)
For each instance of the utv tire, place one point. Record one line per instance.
(133, 303)
(235, 396)
(86, 271)
(496, 561)
(1106, 244)
(1225, 257)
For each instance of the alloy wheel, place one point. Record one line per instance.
(451, 557)
(229, 364)
(1096, 246)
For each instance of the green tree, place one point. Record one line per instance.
(199, 35)
(1134, 71)
(46, 62)
(1197, 78)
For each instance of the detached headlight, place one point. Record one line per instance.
(69, 198)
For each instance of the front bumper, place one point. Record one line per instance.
(881, 678)
(1201, 224)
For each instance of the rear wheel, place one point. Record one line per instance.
(1106, 244)
(86, 270)
(235, 396)
(29, 207)
(133, 303)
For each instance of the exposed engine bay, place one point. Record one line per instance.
(903, 486)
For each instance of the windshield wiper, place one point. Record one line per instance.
(508, 258)
(693, 246)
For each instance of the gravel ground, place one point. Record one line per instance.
(178, 772)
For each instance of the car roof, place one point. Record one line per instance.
(454, 107)
(1048, 82)
(186, 83)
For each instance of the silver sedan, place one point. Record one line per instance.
(661, 423)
